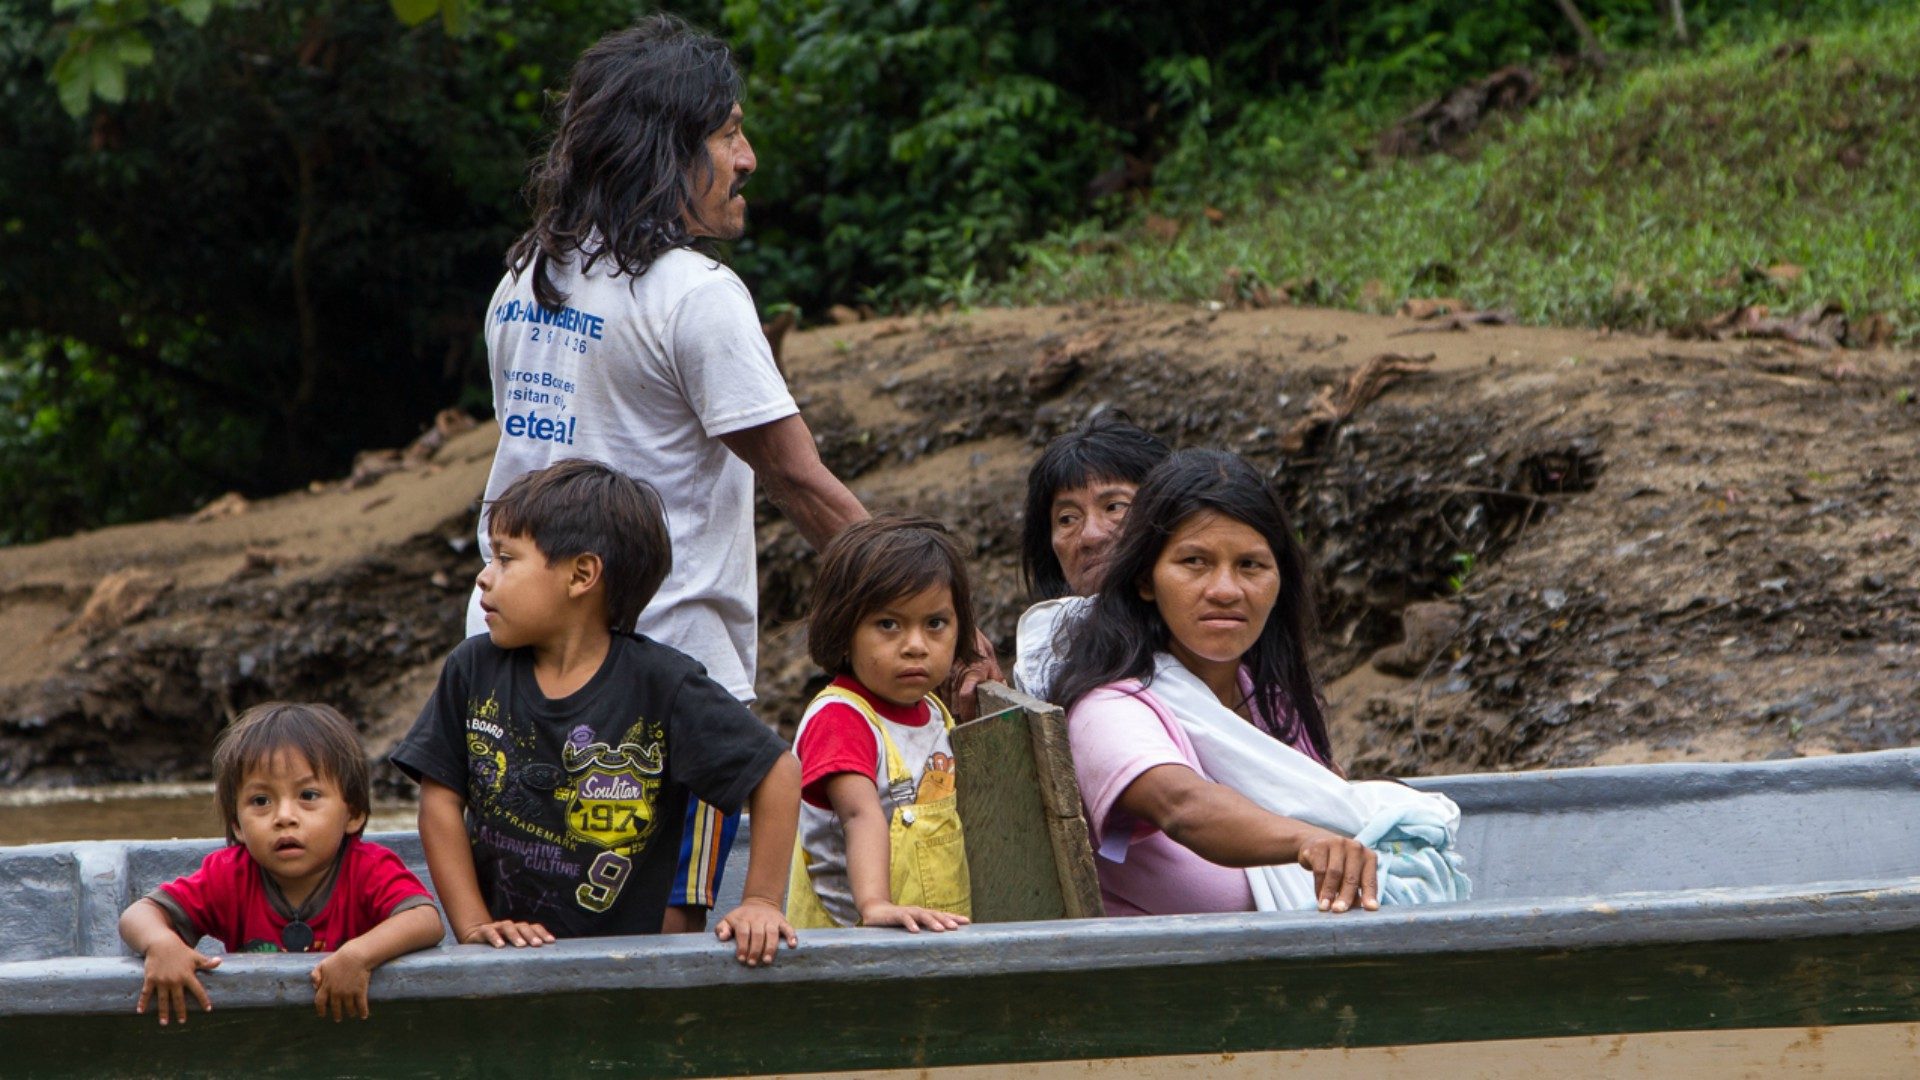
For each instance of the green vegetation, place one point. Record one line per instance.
(242, 239)
(1653, 199)
(271, 252)
(1457, 581)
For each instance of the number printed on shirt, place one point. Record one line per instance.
(605, 817)
(605, 878)
(567, 341)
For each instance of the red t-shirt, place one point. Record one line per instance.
(838, 739)
(226, 899)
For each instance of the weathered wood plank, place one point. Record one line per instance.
(1010, 860)
(1067, 822)
(1027, 849)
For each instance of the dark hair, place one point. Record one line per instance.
(317, 732)
(878, 560)
(1120, 632)
(1108, 446)
(629, 157)
(580, 507)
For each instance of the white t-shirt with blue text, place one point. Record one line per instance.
(645, 374)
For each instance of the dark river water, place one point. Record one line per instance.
(133, 812)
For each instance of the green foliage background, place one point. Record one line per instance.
(242, 239)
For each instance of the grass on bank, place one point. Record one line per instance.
(1631, 205)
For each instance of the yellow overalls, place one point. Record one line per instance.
(928, 852)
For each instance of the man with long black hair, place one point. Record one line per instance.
(614, 336)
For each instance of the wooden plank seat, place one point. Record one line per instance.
(1028, 853)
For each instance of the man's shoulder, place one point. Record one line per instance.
(696, 267)
(683, 273)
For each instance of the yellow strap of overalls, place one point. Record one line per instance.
(899, 777)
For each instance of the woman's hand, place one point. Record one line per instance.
(1343, 870)
(962, 689)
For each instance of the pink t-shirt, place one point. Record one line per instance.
(1115, 737)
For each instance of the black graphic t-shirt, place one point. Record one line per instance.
(575, 806)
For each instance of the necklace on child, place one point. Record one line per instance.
(297, 935)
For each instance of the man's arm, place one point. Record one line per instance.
(787, 463)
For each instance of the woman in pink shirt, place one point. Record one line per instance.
(1205, 580)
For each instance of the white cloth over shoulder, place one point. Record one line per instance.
(1038, 650)
(1411, 831)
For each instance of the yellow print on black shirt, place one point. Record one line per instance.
(611, 795)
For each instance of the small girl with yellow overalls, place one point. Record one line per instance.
(880, 841)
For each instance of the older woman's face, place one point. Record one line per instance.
(1085, 521)
(1215, 583)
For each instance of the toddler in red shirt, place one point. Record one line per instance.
(291, 783)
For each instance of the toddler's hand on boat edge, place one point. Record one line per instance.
(503, 932)
(172, 972)
(756, 929)
(340, 986)
(912, 919)
(1344, 870)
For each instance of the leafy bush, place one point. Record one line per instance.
(1636, 204)
(265, 240)
(908, 148)
(271, 254)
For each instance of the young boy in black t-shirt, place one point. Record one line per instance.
(556, 756)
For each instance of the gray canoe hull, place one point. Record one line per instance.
(1607, 901)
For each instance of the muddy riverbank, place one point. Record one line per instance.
(1624, 548)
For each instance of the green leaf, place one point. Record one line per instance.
(63, 6)
(453, 17)
(75, 86)
(133, 49)
(109, 77)
(415, 12)
(196, 12)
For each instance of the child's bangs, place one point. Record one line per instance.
(908, 570)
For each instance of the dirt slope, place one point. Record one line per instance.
(1647, 549)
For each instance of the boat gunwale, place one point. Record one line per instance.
(1863, 908)
(1596, 786)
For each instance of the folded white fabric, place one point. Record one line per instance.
(1411, 831)
(1038, 648)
